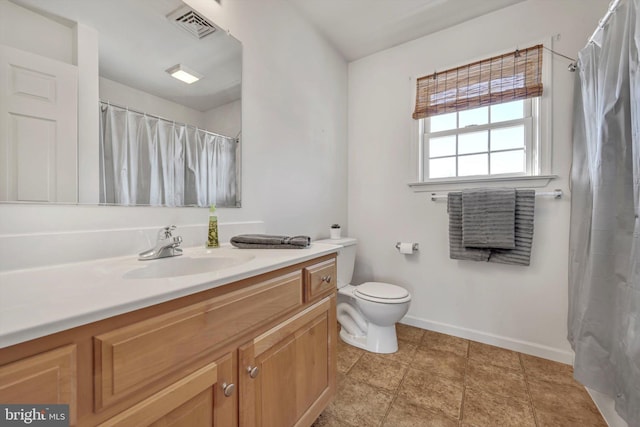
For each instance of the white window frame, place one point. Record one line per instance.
(530, 120)
(539, 163)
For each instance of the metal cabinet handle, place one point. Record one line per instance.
(326, 279)
(253, 371)
(228, 389)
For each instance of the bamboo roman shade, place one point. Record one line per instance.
(509, 77)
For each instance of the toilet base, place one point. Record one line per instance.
(379, 339)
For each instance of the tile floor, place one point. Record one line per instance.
(441, 380)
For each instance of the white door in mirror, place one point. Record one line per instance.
(38, 128)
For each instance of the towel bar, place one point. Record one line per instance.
(556, 194)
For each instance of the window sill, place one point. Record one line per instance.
(446, 184)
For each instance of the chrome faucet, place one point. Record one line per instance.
(166, 245)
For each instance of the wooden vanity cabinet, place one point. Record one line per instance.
(258, 352)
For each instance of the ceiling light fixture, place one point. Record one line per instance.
(184, 74)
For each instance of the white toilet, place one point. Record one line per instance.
(367, 313)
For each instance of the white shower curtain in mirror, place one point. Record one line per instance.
(149, 161)
(604, 270)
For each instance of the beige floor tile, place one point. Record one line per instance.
(552, 419)
(440, 363)
(433, 392)
(563, 401)
(406, 352)
(494, 355)
(359, 404)
(348, 355)
(430, 382)
(443, 342)
(548, 370)
(405, 414)
(481, 409)
(378, 372)
(496, 380)
(409, 333)
(327, 420)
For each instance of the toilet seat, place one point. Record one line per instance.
(384, 293)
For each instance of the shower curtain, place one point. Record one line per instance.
(145, 160)
(604, 270)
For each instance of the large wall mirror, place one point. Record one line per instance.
(92, 109)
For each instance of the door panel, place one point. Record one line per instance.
(276, 385)
(295, 376)
(49, 377)
(38, 128)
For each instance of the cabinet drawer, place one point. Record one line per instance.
(143, 357)
(46, 378)
(320, 278)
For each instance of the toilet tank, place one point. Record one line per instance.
(346, 258)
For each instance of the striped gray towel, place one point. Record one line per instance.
(267, 241)
(521, 255)
(456, 249)
(488, 218)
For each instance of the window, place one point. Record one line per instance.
(493, 140)
(483, 120)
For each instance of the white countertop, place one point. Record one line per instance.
(41, 301)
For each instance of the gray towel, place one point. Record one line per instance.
(266, 241)
(521, 255)
(456, 249)
(488, 218)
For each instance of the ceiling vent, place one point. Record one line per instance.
(187, 19)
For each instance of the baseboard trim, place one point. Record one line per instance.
(533, 349)
(607, 408)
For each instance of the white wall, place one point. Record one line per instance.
(86, 57)
(225, 119)
(523, 308)
(294, 138)
(20, 28)
(136, 99)
(294, 117)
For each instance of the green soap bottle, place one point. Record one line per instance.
(212, 237)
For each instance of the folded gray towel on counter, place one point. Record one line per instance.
(267, 241)
(521, 254)
(488, 218)
(457, 250)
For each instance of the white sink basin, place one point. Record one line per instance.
(185, 266)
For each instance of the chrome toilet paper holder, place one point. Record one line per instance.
(415, 246)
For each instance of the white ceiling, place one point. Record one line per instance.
(137, 43)
(358, 28)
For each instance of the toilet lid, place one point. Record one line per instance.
(379, 290)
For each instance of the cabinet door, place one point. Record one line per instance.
(197, 400)
(46, 378)
(287, 375)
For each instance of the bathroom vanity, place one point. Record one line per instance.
(251, 344)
